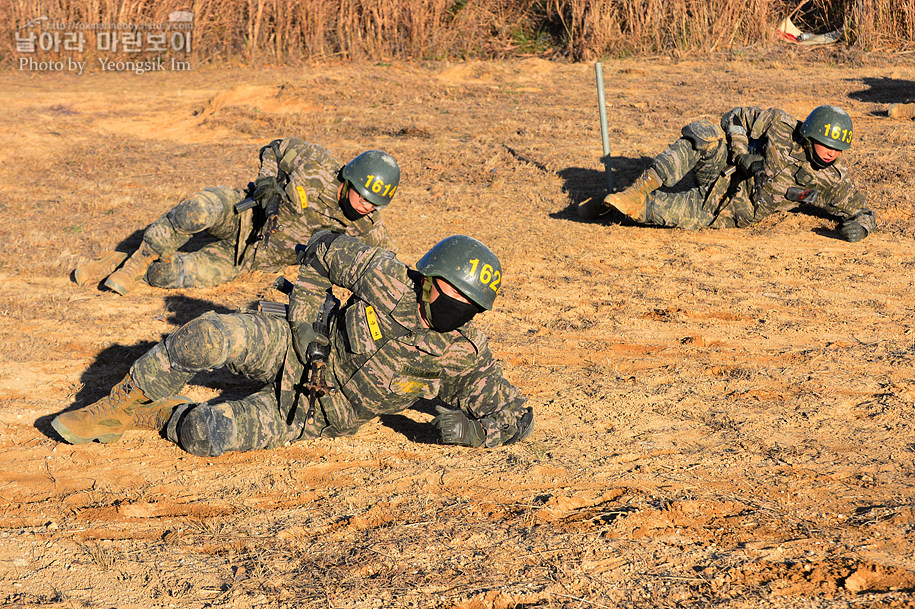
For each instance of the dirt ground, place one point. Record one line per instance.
(724, 418)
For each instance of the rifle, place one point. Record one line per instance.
(271, 208)
(314, 379)
(316, 356)
(279, 309)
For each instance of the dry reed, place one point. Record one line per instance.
(258, 32)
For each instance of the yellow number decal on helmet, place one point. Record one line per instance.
(375, 184)
(488, 275)
(837, 133)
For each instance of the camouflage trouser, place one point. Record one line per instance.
(255, 345)
(211, 210)
(689, 168)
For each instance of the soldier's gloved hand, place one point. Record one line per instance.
(751, 163)
(265, 188)
(303, 334)
(457, 428)
(852, 231)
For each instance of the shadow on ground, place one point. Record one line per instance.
(884, 91)
(581, 184)
(115, 361)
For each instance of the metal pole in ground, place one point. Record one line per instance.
(604, 136)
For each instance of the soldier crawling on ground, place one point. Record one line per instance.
(300, 188)
(757, 163)
(404, 335)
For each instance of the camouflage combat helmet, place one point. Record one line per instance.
(830, 126)
(375, 175)
(468, 265)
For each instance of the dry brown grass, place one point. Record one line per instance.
(263, 32)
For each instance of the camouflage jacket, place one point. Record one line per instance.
(776, 136)
(312, 201)
(383, 360)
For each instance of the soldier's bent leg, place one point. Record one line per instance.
(688, 168)
(251, 344)
(213, 264)
(209, 430)
(209, 210)
(681, 209)
(701, 150)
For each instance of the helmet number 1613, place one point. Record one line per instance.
(836, 133)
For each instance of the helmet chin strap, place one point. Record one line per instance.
(427, 298)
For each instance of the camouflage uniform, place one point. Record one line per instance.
(312, 205)
(382, 360)
(697, 194)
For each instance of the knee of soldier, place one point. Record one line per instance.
(169, 273)
(199, 211)
(200, 344)
(704, 136)
(205, 430)
(161, 237)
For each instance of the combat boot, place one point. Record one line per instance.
(124, 280)
(125, 407)
(155, 416)
(632, 201)
(902, 111)
(96, 270)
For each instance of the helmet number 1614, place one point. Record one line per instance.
(375, 184)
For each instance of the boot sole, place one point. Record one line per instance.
(72, 438)
(105, 438)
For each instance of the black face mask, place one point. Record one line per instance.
(446, 313)
(348, 210)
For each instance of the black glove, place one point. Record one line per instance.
(265, 188)
(457, 428)
(751, 163)
(852, 231)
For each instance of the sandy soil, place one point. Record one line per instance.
(724, 418)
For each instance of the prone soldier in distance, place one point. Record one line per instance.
(756, 163)
(300, 188)
(404, 335)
